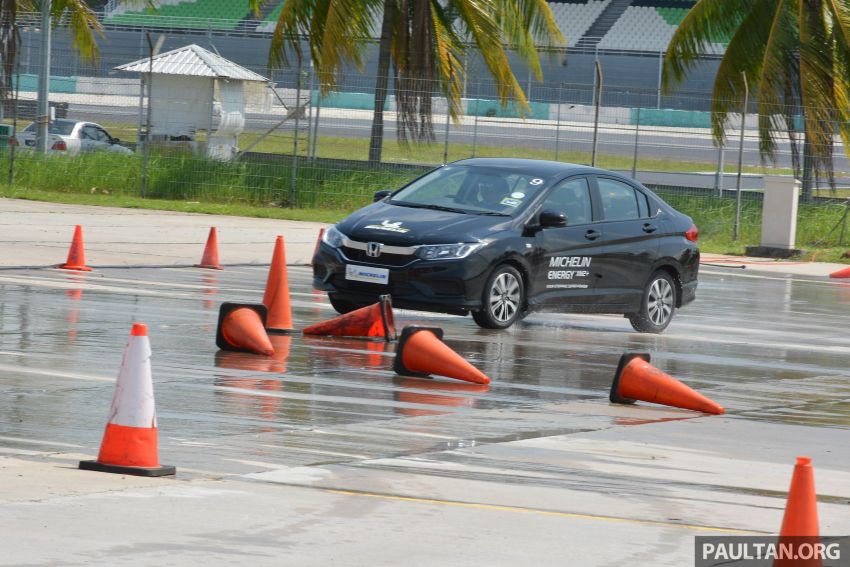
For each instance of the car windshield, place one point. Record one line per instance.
(472, 190)
(60, 127)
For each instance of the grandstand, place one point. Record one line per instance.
(188, 14)
(617, 25)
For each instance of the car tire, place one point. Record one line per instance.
(657, 306)
(503, 299)
(341, 306)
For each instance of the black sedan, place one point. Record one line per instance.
(499, 238)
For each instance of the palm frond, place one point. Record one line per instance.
(698, 31)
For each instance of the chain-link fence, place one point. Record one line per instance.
(225, 129)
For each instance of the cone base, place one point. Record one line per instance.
(77, 268)
(614, 396)
(398, 365)
(273, 331)
(163, 470)
(208, 267)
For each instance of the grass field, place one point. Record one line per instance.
(327, 190)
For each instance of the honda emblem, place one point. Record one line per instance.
(373, 249)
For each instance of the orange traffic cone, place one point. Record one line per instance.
(316, 248)
(800, 522)
(422, 352)
(241, 328)
(130, 441)
(77, 254)
(636, 379)
(842, 273)
(210, 258)
(276, 297)
(372, 321)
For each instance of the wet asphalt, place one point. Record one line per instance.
(773, 349)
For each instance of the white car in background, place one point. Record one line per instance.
(72, 137)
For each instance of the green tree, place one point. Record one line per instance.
(423, 43)
(796, 57)
(81, 20)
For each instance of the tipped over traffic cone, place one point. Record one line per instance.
(637, 379)
(130, 441)
(210, 258)
(800, 522)
(241, 327)
(422, 352)
(77, 254)
(842, 273)
(276, 296)
(372, 321)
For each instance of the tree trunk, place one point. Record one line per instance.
(808, 169)
(376, 140)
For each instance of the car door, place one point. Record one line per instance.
(564, 258)
(88, 138)
(629, 246)
(103, 140)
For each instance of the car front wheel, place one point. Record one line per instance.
(657, 305)
(341, 306)
(503, 299)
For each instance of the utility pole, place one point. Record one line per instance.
(43, 113)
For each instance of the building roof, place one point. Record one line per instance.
(195, 61)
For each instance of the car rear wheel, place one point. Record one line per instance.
(657, 306)
(503, 300)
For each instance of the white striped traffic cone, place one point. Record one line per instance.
(130, 441)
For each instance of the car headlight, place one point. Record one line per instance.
(332, 237)
(447, 251)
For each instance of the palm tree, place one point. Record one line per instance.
(81, 20)
(795, 55)
(424, 42)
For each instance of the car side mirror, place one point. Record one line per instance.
(115, 140)
(381, 195)
(552, 219)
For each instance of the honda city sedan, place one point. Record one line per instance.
(499, 238)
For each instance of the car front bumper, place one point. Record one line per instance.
(445, 286)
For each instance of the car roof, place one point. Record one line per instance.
(536, 166)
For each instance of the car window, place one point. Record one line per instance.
(473, 189)
(88, 133)
(102, 136)
(571, 197)
(621, 201)
(60, 127)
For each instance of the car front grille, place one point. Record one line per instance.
(390, 260)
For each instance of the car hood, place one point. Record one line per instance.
(407, 226)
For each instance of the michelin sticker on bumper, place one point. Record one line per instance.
(367, 274)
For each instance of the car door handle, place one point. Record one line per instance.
(592, 234)
(649, 228)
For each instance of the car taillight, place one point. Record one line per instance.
(59, 145)
(13, 141)
(692, 233)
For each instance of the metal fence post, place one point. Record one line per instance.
(475, 129)
(718, 177)
(43, 112)
(292, 181)
(660, 70)
(736, 228)
(598, 101)
(316, 127)
(558, 121)
(637, 135)
(446, 143)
